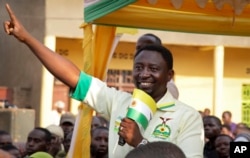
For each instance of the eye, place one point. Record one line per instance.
(154, 69)
(97, 138)
(37, 140)
(138, 67)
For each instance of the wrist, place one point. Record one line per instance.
(144, 141)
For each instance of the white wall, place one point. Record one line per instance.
(192, 39)
(64, 17)
(198, 93)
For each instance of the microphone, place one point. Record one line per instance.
(141, 110)
(121, 141)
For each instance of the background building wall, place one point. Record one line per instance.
(20, 70)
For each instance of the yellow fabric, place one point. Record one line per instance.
(82, 136)
(96, 50)
(189, 18)
(145, 98)
(122, 30)
(103, 38)
(88, 49)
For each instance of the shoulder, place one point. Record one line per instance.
(186, 108)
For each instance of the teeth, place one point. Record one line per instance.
(145, 84)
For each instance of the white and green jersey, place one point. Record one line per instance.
(173, 120)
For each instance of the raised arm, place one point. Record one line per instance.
(59, 66)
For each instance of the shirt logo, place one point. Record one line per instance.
(162, 130)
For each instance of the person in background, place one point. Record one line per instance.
(99, 142)
(39, 139)
(11, 149)
(57, 137)
(227, 120)
(148, 39)
(58, 112)
(242, 133)
(67, 123)
(206, 112)
(173, 121)
(158, 150)
(96, 122)
(222, 145)
(5, 138)
(67, 141)
(104, 121)
(212, 126)
(226, 129)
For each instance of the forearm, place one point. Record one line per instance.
(60, 67)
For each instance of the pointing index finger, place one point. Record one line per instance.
(11, 13)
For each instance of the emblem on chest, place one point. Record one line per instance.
(162, 130)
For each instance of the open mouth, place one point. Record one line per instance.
(145, 85)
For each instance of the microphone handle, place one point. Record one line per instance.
(121, 141)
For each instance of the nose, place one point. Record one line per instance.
(144, 73)
(103, 143)
(206, 127)
(30, 143)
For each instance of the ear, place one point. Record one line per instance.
(170, 75)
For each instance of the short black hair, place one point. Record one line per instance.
(159, 149)
(225, 135)
(99, 128)
(166, 53)
(158, 40)
(217, 120)
(47, 133)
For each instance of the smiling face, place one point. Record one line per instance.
(151, 73)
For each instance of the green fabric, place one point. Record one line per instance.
(104, 7)
(138, 117)
(41, 154)
(84, 81)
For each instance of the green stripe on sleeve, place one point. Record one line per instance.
(82, 87)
